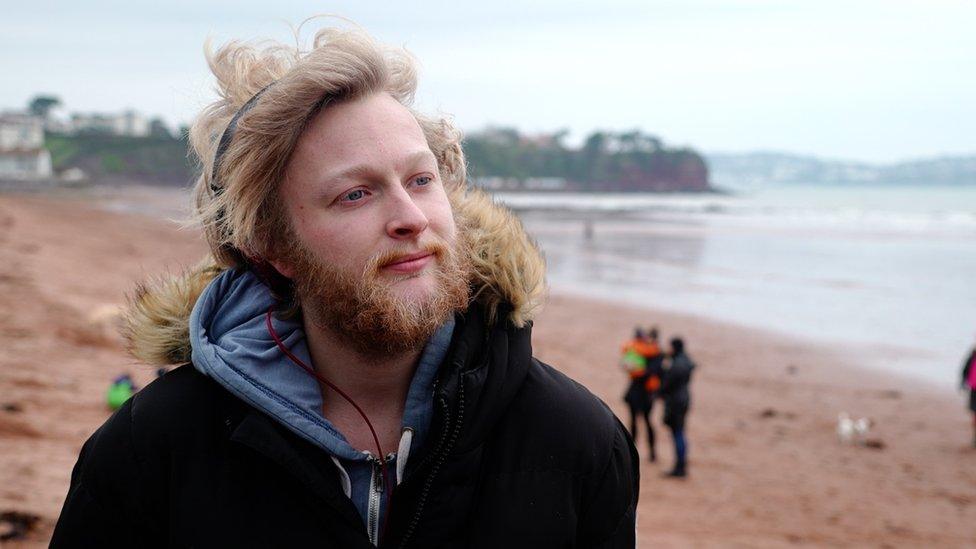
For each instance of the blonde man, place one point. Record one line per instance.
(356, 358)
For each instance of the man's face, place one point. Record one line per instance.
(375, 252)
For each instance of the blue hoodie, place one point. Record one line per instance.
(231, 344)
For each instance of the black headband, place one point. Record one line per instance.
(227, 137)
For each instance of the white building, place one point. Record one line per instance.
(20, 130)
(22, 152)
(134, 124)
(128, 123)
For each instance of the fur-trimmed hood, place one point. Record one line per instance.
(508, 269)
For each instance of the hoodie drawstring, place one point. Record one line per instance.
(403, 452)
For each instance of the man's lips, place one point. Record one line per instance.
(409, 263)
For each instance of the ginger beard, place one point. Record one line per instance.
(366, 312)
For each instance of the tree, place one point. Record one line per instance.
(42, 105)
(158, 128)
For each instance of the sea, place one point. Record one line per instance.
(886, 270)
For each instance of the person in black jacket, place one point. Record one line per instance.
(968, 382)
(353, 363)
(655, 371)
(677, 400)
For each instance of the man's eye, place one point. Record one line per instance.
(423, 180)
(354, 195)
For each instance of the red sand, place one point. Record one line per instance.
(766, 467)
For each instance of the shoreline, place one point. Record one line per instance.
(766, 467)
(853, 354)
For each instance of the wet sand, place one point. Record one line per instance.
(766, 467)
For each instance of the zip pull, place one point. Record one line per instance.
(377, 473)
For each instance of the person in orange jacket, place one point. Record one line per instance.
(641, 357)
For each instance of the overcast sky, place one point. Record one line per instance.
(862, 80)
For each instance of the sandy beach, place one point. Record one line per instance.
(766, 467)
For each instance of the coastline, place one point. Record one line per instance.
(863, 357)
(766, 467)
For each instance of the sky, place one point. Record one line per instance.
(875, 81)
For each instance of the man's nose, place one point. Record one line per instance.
(406, 219)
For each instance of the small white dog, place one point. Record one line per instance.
(850, 430)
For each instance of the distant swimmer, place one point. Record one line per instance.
(677, 400)
(641, 358)
(969, 382)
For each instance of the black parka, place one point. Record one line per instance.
(518, 455)
(674, 390)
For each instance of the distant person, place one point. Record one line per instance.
(121, 390)
(677, 399)
(641, 358)
(969, 382)
(652, 383)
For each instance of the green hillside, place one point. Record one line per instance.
(154, 160)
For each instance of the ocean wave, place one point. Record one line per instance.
(750, 211)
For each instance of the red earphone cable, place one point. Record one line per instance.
(384, 471)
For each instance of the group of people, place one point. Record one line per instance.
(655, 374)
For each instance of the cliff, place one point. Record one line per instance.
(504, 159)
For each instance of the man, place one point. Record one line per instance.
(357, 361)
(677, 399)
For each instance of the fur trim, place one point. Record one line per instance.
(508, 265)
(156, 322)
(508, 268)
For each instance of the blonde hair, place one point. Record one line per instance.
(237, 203)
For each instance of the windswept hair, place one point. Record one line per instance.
(240, 212)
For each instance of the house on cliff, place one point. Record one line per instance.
(128, 123)
(22, 152)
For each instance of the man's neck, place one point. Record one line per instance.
(377, 384)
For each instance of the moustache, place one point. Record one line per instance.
(435, 248)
